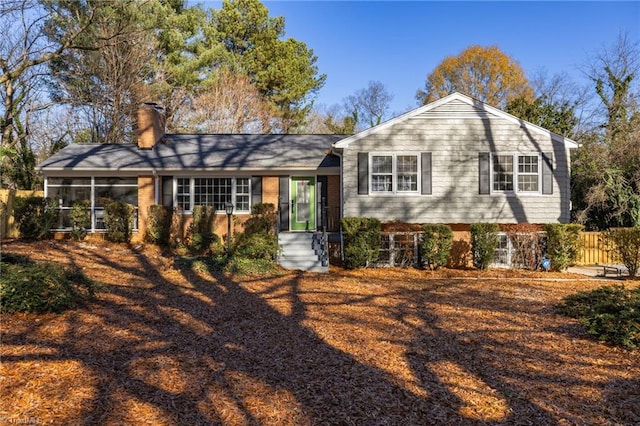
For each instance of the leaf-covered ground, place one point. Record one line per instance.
(169, 344)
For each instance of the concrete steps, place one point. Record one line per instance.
(301, 251)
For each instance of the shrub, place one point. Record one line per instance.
(201, 235)
(80, 218)
(626, 245)
(256, 246)
(361, 241)
(35, 216)
(562, 244)
(484, 241)
(118, 218)
(158, 225)
(27, 286)
(436, 245)
(263, 219)
(611, 313)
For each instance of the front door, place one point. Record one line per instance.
(303, 198)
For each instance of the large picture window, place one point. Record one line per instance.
(213, 191)
(516, 173)
(393, 173)
(97, 192)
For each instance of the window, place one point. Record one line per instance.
(503, 173)
(407, 173)
(216, 192)
(98, 191)
(392, 173)
(528, 173)
(382, 173)
(524, 178)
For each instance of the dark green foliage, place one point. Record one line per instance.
(256, 246)
(484, 241)
(626, 245)
(27, 286)
(562, 244)
(436, 245)
(80, 218)
(259, 240)
(158, 225)
(35, 216)
(201, 235)
(612, 313)
(118, 218)
(361, 241)
(263, 219)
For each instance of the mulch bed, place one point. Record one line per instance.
(165, 344)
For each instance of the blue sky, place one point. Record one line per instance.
(399, 43)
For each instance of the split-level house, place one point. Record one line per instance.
(454, 161)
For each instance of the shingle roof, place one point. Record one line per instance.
(202, 152)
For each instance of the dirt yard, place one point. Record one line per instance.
(169, 344)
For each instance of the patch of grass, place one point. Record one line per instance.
(611, 313)
(27, 286)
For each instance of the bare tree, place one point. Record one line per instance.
(228, 103)
(370, 106)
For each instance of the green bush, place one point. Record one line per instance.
(35, 216)
(201, 235)
(263, 219)
(361, 241)
(626, 245)
(27, 286)
(80, 218)
(158, 225)
(436, 245)
(484, 241)
(256, 246)
(118, 218)
(562, 244)
(611, 313)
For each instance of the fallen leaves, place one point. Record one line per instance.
(168, 345)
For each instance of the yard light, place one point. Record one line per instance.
(229, 210)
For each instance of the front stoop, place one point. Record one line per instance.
(300, 251)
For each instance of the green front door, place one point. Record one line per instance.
(303, 199)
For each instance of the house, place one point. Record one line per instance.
(456, 161)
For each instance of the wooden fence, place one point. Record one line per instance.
(593, 250)
(8, 227)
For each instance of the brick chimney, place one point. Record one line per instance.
(151, 123)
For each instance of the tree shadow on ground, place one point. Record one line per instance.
(183, 344)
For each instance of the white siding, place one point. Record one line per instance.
(455, 133)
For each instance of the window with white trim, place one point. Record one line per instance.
(524, 177)
(393, 173)
(213, 191)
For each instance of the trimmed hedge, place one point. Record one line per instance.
(35, 216)
(484, 241)
(626, 244)
(562, 244)
(201, 235)
(118, 218)
(361, 241)
(158, 225)
(80, 218)
(436, 245)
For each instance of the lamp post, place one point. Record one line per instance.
(229, 210)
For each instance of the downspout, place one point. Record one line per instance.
(335, 152)
(156, 187)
